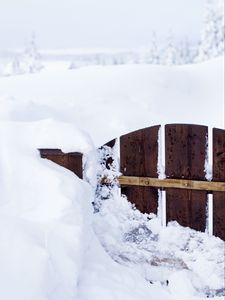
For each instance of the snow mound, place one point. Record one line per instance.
(140, 242)
(109, 101)
(42, 210)
(48, 248)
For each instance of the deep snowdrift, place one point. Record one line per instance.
(48, 249)
(109, 101)
(175, 254)
(42, 213)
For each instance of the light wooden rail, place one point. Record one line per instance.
(209, 186)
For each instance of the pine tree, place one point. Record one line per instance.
(220, 25)
(31, 59)
(153, 56)
(14, 67)
(170, 55)
(185, 56)
(212, 39)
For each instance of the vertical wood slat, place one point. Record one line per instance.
(75, 163)
(219, 175)
(185, 149)
(71, 161)
(139, 157)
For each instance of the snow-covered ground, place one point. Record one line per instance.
(52, 246)
(108, 101)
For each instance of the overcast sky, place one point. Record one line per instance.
(97, 23)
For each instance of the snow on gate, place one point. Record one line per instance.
(186, 158)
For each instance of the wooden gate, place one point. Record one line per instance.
(185, 184)
(71, 161)
(138, 157)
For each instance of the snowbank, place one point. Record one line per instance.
(109, 101)
(157, 253)
(48, 249)
(44, 212)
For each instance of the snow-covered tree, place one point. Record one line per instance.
(212, 38)
(220, 25)
(27, 62)
(153, 55)
(185, 54)
(31, 59)
(170, 54)
(14, 67)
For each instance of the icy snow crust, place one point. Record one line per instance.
(48, 248)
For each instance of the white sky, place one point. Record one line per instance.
(97, 23)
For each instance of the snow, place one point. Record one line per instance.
(41, 241)
(135, 240)
(52, 245)
(48, 248)
(126, 97)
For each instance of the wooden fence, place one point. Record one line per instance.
(71, 161)
(185, 186)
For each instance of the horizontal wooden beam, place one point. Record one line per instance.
(209, 186)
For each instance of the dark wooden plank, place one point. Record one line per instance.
(55, 155)
(185, 148)
(75, 163)
(219, 175)
(139, 157)
(71, 161)
(111, 143)
(46, 152)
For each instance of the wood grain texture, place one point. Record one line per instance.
(185, 149)
(71, 161)
(139, 157)
(219, 175)
(208, 186)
